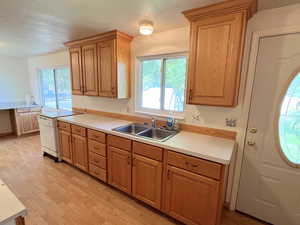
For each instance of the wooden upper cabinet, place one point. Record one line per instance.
(191, 198)
(76, 71)
(89, 70)
(107, 68)
(216, 48)
(100, 65)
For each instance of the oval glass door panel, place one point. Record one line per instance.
(289, 123)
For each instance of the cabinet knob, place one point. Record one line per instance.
(253, 130)
(251, 143)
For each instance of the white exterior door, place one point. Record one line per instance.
(270, 180)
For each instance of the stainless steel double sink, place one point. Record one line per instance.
(157, 134)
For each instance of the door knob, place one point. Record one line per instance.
(251, 143)
(253, 130)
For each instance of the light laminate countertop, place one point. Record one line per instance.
(16, 105)
(215, 149)
(10, 206)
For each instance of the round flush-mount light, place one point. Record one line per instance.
(146, 27)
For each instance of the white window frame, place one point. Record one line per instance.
(139, 86)
(54, 68)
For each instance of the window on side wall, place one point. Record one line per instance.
(55, 88)
(161, 85)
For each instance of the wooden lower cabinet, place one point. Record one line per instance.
(80, 152)
(119, 169)
(65, 145)
(26, 122)
(186, 188)
(29, 122)
(73, 148)
(191, 198)
(147, 180)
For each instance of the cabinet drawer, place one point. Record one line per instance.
(148, 151)
(98, 172)
(119, 142)
(96, 136)
(97, 160)
(78, 130)
(97, 147)
(199, 166)
(64, 126)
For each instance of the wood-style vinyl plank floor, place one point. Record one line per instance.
(58, 194)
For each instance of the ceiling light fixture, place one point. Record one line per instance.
(146, 27)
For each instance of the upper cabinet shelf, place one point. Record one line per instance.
(217, 37)
(100, 65)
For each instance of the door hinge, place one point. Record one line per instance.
(168, 174)
(191, 94)
(129, 160)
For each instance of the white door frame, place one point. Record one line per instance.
(246, 103)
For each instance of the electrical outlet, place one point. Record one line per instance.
(196, 117)
(231, 122)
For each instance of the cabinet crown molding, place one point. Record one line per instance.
(99, 37)
(222, 8)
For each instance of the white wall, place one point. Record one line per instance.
(14, 79)
(14, 85)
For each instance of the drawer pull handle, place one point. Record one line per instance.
(194, 166)
(95, 136)
(96, 148)
(187, 163)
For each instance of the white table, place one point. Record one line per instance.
(10, 207)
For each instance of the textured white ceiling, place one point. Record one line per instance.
(268, 4)
(33, 27)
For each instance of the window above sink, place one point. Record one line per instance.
(161, 85)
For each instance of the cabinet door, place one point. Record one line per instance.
(80, 152)
(107, 68)
(191, 198)
(215, 60)
(26, 122)
(65, 146)
(76, 71)
(146, 180)
(119, 169)
(89, 70)
(34, 121)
